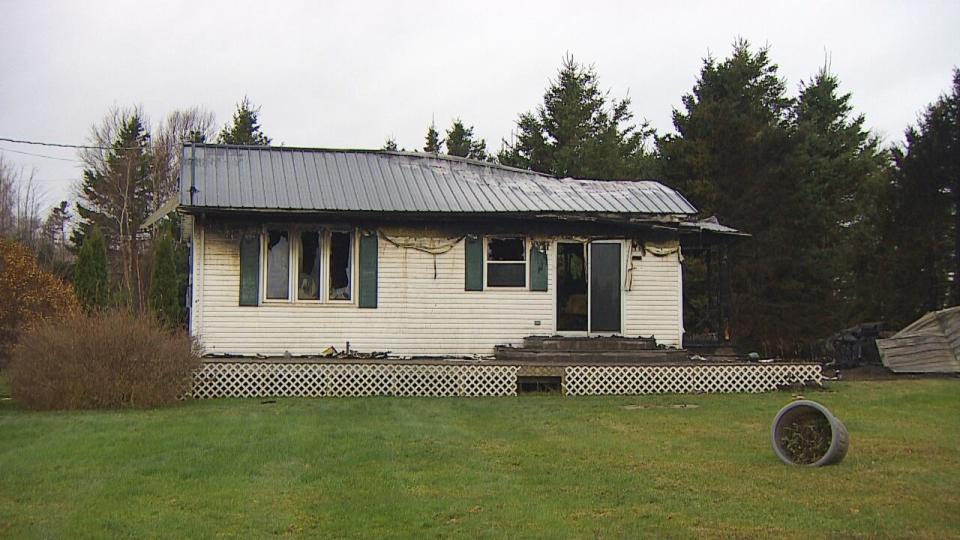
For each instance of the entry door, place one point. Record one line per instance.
(605, 296)
(571, 287)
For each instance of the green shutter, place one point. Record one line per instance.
(473, 269)
(538, 268)
(368, 270)
(250, 269)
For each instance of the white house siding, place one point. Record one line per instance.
(416, 314)
(654, 303)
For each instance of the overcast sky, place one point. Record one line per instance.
(350, 74)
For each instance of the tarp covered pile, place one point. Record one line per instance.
(931, 344)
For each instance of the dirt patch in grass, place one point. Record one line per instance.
(662, 406)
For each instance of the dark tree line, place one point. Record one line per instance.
(795, 173)
(844, 230)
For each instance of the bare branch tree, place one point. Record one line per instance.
(19, 204)
(179, 127)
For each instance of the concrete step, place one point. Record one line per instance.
(511, 354)
(588, 344)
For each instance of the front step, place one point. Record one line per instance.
(588, 344)
(512, 354)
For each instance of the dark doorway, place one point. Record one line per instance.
(605, 287)
(571, 287)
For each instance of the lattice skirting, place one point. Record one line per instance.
(276, 379)
(605, 380)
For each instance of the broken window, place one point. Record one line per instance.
(506, 262)
(308, 278)
(278, 265)
(340, 265)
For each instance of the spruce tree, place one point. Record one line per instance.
(390, 145)
(731, 157)
(90, 272)
(925, 216)
(433, 142)
(461, 142)
(840, 171)
(166, 296)
(244, 128)
(117, 194)
(578, 131)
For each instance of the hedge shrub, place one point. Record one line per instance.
(108, 359)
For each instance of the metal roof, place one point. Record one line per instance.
(312, 179)
(711, 225)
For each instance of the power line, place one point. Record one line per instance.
(40, 155)
(59, 145)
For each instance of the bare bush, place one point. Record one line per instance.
(111, 359)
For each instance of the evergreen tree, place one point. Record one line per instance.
(117, 195)
(578, 131)
(433, 143)
(90, 272)
(244, 129)
(840, 171)
(55, 225)
(461, 142)
(166, 294)
(925, 214)
(730, 156)
(53, 249)
(390, 144)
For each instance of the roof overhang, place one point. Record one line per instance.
(594, 217)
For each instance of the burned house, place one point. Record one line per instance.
(297, 250)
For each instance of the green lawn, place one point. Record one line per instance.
(533, 466)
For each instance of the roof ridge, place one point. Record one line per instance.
(422, 155)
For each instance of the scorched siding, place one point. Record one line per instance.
(653, 305)
(416, 314)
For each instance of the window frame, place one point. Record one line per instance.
(265, 261)
(487, 261)
(296, 273)
(293, 268)
(352, 257)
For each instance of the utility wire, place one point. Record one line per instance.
(40, 155)
(58, 145)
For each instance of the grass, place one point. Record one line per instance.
(532, 466)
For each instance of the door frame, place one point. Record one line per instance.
(556, 281)
(620, 242)
(589, 271)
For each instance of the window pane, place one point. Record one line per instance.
(340, 265)
(505, 249)
(278, 265)
(506, 275)
(308, 279)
